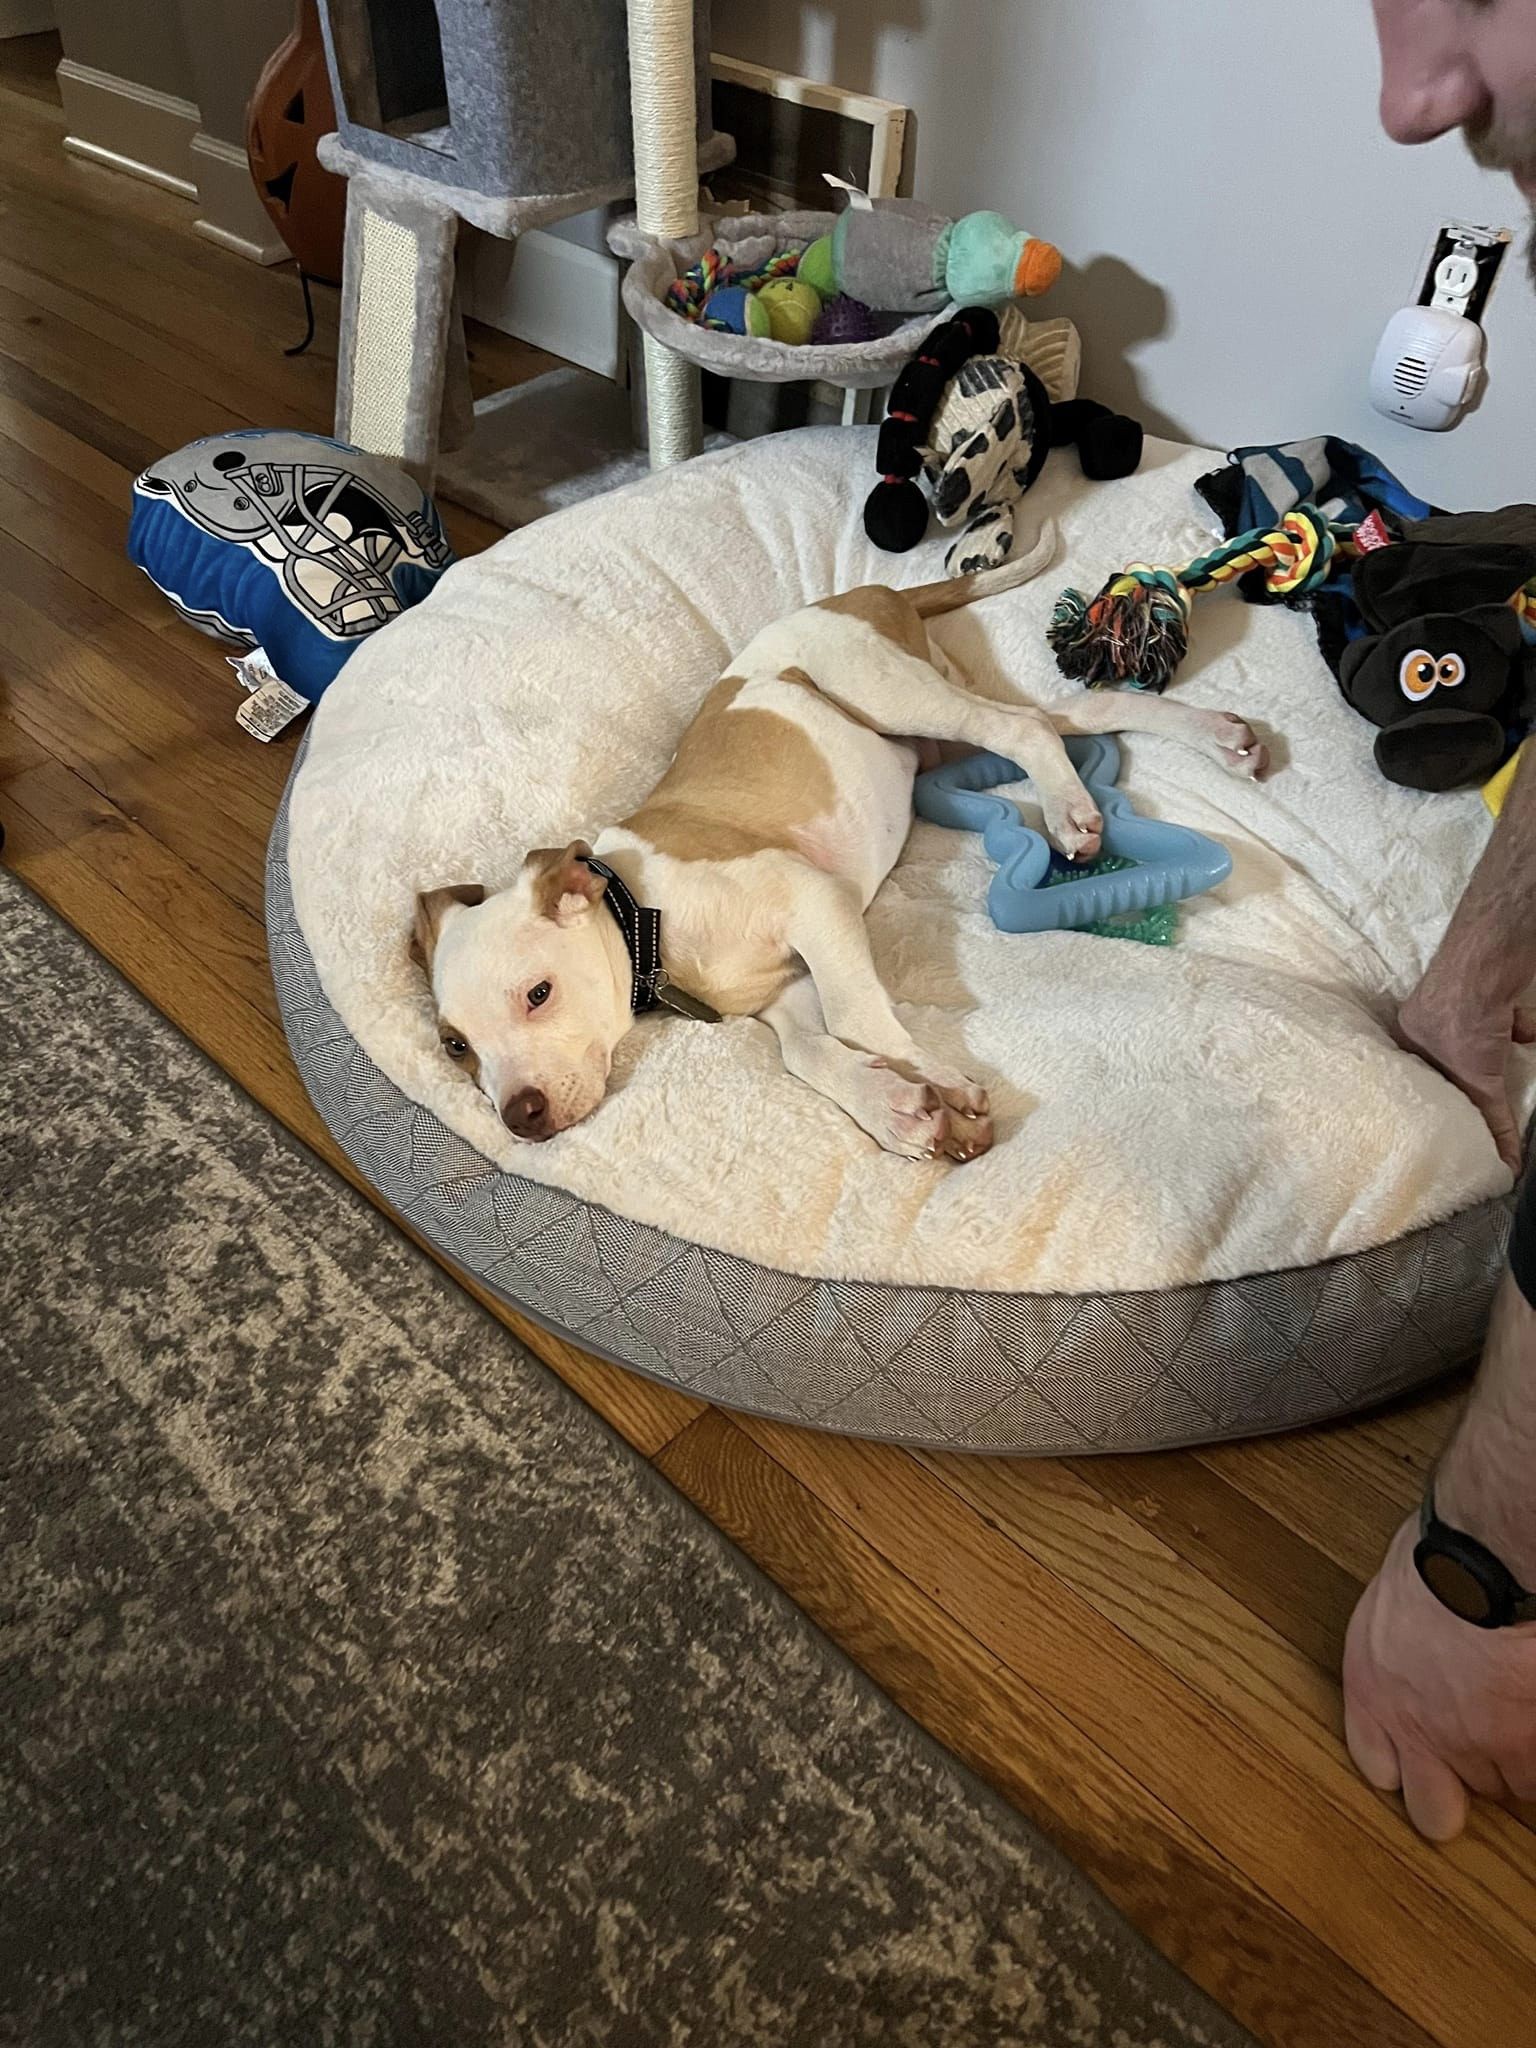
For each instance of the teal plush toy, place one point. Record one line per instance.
(901, 256)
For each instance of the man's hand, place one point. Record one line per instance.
(1469, 1040)
(1433, 1705)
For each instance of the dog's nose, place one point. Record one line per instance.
(527, 1113)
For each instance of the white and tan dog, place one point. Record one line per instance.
(784, 809)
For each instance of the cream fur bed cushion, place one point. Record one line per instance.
(1228, 1106)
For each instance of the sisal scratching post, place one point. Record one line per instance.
(662, 85)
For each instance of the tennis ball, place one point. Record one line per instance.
(793, 309)
(818, 266)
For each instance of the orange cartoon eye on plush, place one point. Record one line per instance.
(1449, 671)
(1419, 673)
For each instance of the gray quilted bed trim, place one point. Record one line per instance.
(1036, 1374)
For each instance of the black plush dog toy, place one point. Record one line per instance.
(1443, 668)
(981, 423)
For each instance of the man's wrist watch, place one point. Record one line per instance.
(1466, 1577)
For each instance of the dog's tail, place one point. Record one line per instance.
(930, 599)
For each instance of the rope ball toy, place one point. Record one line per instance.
(1136, 631)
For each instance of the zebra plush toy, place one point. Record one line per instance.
(977, 411)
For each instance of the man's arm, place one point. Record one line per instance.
(1433, 1705)
(1464, 1015)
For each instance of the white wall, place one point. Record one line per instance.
(1237, 227)
(136, 39)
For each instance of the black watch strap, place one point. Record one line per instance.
(1465, 1576)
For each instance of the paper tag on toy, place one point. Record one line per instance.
(1371, 534)
(271, 705)
(253, 668)
(857, 198)
(681, 1004)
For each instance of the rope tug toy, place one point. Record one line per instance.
(1136, 631)
(686, 295)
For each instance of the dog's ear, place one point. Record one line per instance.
(564, 887)
(432, 906)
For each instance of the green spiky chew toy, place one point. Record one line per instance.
(904, 258)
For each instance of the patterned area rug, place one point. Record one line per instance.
(357, 1686)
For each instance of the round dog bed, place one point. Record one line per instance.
(1221, 1200)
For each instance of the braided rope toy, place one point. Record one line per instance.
(686, 295)
(1136, 631)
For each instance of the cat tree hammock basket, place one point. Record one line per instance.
(655, 262)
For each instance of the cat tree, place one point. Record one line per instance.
(507, 115)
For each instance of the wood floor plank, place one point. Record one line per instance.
(148, 397)
(1333, 1857)
(1301, 1594)
(223, 937)
(19, 752)
(1248, 1954)
(92, 326)
(1414, 1432)
(48, 400)
(69, 526)
(1226, 1655)
(1332, 1495)
(67, 453)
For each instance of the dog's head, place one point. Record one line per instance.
(532, 988)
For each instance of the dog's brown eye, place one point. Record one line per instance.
(456, 1048)
(538, 994)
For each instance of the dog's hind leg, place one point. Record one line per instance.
(902, 694)
(1222, 734)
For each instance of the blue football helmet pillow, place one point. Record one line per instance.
(290, 542)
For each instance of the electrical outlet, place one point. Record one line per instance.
(1462, 266)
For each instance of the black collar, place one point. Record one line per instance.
(642, 935)
(649, 989)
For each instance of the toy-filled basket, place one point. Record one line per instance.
(748, 241)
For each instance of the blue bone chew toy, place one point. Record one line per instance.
(1167, 862)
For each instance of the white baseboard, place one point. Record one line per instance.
(555, 294)
(26, 17)
(228, 210)
(128, 127)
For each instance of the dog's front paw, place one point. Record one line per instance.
(918, 1119)
(906, 1117)
(966, 1137)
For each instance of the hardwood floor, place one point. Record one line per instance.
(1141, 1653)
